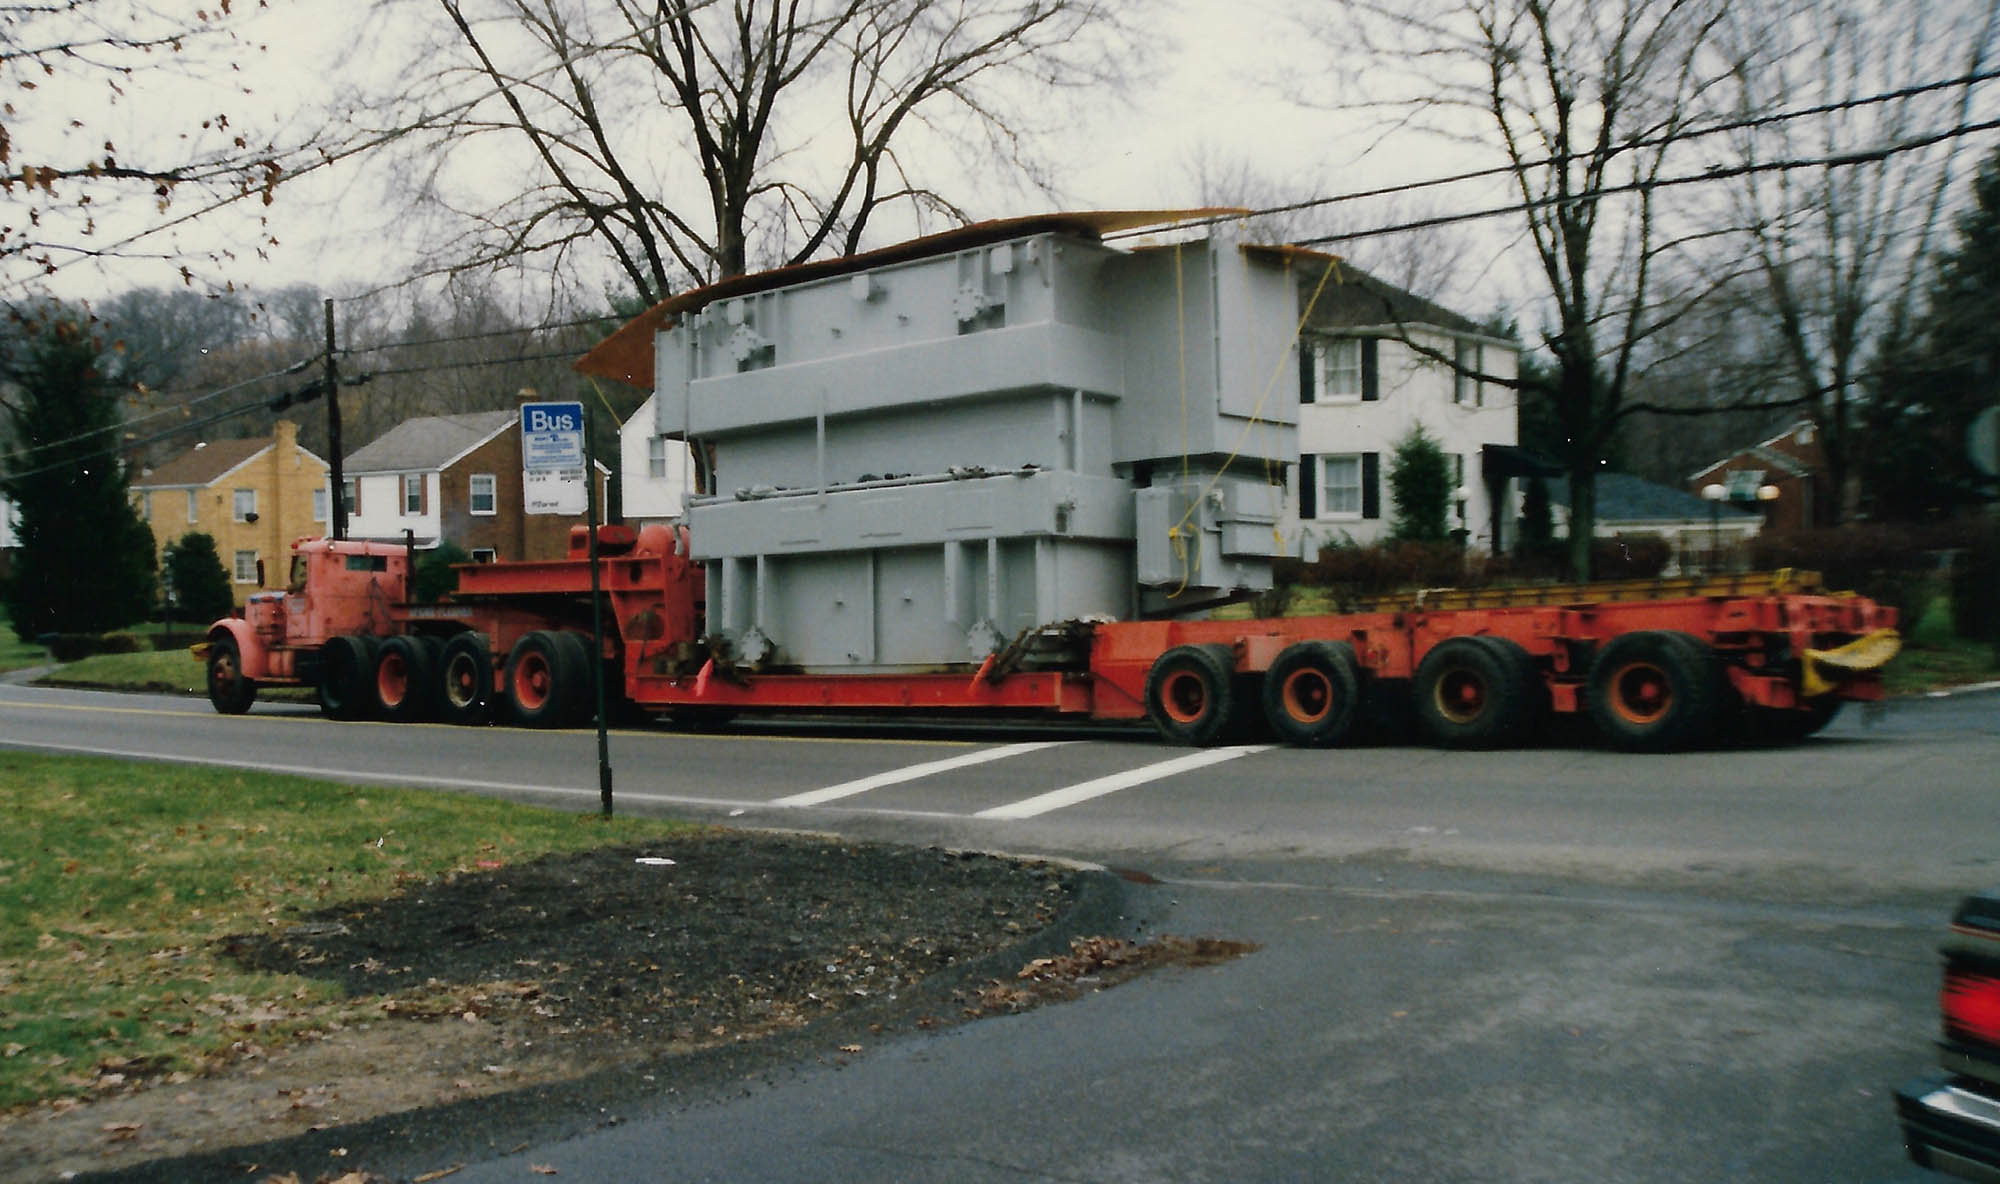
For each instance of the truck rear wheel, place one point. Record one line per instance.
(405, 679)
(1467, 694)
(1310, 693)
(1191, 695)
(576, 672)
(542, 680)
(346, 669)
(227, 688)
(465, 678)
(1656, 691)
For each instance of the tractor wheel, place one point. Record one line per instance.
(1656, 691)
(576, 675)
(405, 679)
(227, 688)
(1468, 694)
(346, 668)
(1310, 694)
(541, 680)
(1191, 694)
(465, 680)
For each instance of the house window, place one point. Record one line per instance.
(350, 495)
(194, 510)
(1458, 484)
(484, 555)
(1468, 362)
(1343, 485)
(146, 505)
(1743, 484)
(656, 457)
(1337, 371)
(413, 493)
(319, 504)
(1340, 482)
(484, 494)
(246, 567)
(243, 504)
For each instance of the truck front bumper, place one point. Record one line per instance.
(1952, 1125)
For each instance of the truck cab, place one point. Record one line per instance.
(334, 587)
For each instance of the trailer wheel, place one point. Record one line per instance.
(1310, 693)
(346, 665)
(541, 680)
(1190, 694)
(1656, 691)
(227, 688)
(465, 680)
(405, 679)
(575, 675)
(1467, 694)
(1524, 686)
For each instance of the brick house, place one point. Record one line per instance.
(455, 478)
(1792, 463)
(253, 497)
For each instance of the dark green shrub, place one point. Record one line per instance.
(435, 579)
(1975, 584)
(122, 643)
(1894, 564)
(1630, 557)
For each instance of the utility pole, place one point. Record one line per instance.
(339, 489)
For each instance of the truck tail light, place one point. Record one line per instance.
(1971, 1004)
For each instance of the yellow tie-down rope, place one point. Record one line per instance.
(1178, 532)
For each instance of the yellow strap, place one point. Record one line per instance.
(1827, 669)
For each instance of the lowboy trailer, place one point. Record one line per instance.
(1654, 665)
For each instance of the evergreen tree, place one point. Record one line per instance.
(199, 582)
(434, 575)
(1933, 378)
(86, 562)
(1420, 485)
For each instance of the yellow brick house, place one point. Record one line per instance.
(253, 497)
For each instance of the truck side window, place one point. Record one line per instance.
(297, 583)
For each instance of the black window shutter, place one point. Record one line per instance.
(1307, 357)
(1371, 387)
(1308, 486)
(1371, 480)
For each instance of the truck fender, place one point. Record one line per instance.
(249, 650)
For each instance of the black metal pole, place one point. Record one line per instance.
(596, 615)
(334, 475)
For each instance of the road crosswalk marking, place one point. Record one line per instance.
(1083, 791)
(848, 789)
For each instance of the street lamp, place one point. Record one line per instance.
(1713, 494)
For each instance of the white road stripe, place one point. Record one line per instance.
(848, 789)
(1056, 799)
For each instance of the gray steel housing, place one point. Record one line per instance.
(918, 462)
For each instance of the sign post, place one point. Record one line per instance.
(555, 445)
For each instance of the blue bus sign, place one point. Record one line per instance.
(551, 437)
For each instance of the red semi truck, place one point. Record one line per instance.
(1655, 665)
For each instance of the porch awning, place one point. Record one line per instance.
(1510, 460)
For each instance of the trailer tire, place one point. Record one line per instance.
(346, 668)
(576, 675)
(1467, 694)
(228, 690)
(1525, 686)
(1191, 694)
(465, 680)
(405, 679)
(541, 683)
(1310, 694)
(1656, 691)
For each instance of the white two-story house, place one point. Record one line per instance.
(1374, 362)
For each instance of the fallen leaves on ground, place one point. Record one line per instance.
(1094, 963)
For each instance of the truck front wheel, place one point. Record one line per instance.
(227, 688)
(1190, 694)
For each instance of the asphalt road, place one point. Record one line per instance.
(1560, 964)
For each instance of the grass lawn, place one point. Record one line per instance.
(118, 878)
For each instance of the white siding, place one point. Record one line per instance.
(381, 515)
(648, 498)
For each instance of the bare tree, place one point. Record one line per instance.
(79, 68)
(1843, 249)
(1584, 104)
(687, 142)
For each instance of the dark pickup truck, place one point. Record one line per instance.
(1951, 1120)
